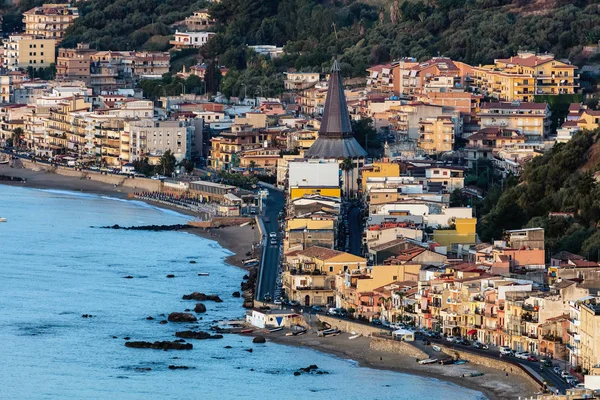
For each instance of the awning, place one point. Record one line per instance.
(471, 332)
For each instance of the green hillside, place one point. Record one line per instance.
(561, 180)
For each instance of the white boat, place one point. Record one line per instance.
(355, 336)
(2, 219)
(203, 274)
(436, 348)
(428, 361)
(4, 162)
(275, 329)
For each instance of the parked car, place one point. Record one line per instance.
(450, 338)
(546, 363)
(273, 234)
(557, 370)
(522, 355)
(464, 342)
(572, 381)
(481, 346)
(277, 301)
(316, 309)
(376, 321)
(435, 335)
(505, 351)
(564, 374)
(531, 357)
(294, 303)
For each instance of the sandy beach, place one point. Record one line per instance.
(495, 384)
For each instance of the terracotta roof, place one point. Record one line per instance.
(531, 61)
(565, 255)
(575, 107)
(496, 133)
(563, 284)
(322, 253)
(584, 263)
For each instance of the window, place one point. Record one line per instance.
(330, 269)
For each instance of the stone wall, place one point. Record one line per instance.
(396, 347)
(350, 326)
(140, 184)
(490, 362)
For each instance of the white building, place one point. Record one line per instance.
(151, 138)
(185, 40)
(268, 50)
(314, 173)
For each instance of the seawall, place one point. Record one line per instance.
(350, 326)
(141, 184)
(396, 347)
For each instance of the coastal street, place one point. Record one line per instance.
(268, 277)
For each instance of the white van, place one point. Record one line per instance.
(505, 351)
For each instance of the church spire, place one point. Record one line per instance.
(336, 119)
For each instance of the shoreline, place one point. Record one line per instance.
(494, 385)
(238, 241)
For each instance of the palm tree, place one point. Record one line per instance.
(347, 165)
(252, 165)
(401, 295)
(16, 137)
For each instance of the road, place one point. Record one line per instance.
(272, 205)
(355, 230)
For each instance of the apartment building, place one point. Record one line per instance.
(522, 77)
(532, 120)
(24, 50)
(580, 117)
(439, 74)
(484, 143)
(380, 79)
(146, 64)
(50, 21)
(436, 134)
(152, 138)
(226, 148)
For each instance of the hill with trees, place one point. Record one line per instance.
(562, 180)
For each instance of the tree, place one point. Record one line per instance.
(347, 165)
(167, 164)
(188, 165)
(17, 136)
(366, 135)
(143, 166)
(401, 296)
(251, 165)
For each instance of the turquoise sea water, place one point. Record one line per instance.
(54, 267)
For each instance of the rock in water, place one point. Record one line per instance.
(200, 308)
(160, 345)
(170, 276)
(248, 304)
(150, 318)
(214, 297)
(236, 294)
(163, 322)
(182, 317)
(192, 262)
(259, 339)
(248, 350)
(200, 335)
(195, 296)
(178, 367)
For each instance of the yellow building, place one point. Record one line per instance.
(50, 20)
(297, 192)
(464, 233)
(589, 331)
(379, 170)
(522, 77)
(382, 275)
(436, 134)
(23, 51)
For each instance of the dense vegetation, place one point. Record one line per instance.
(561, 180)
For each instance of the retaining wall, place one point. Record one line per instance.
(141, 184)
(350, 326)
(396, 347)
(491, 362)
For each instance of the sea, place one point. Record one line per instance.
(57, 264)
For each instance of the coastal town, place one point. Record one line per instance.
(381, 207)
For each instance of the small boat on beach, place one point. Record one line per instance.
(447, 361)
(355, 336)
(275, 329)
(473, 374)
(460, 362)
(329, 332)
(428, 361)
(436, 348)
(247, 331)
(3, 219)
(4, 162)
(203, 273)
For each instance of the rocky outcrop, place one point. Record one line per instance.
(236, 294)
(165, 345)
(182, 317)
(154, 228)
(202, 297)
(200, 335)
(310, 370)
(248, 304)
(259, 339)
(200, 308)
